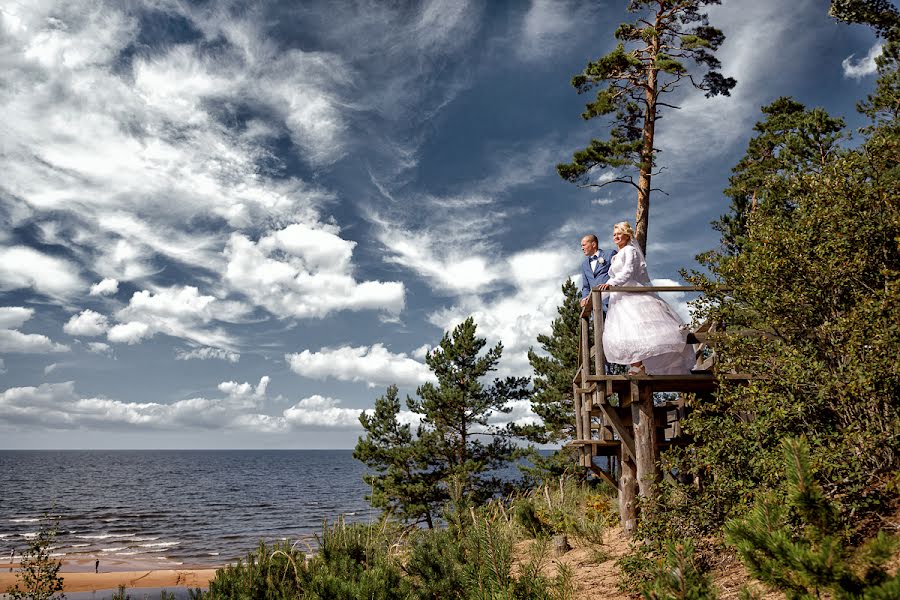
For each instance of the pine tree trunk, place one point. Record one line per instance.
(642, 215)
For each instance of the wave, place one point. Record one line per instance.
(25, 520)
(105, 536)
(159, 545)
(114, 549)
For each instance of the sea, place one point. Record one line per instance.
(171, 509)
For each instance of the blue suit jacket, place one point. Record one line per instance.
(590, 279)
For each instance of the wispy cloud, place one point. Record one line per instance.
(857, 69)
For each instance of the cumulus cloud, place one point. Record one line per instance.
(105, 287)
(179, 311)
(857, 69)
(86, 323)
(2, 366)
(12, 317)
(128, 333)
(207, 353)
(241, 407)
(14, 341)
(301, 271)
(321, 411)
(50, 368)
(22, 267)
(375, 365)
(518, 316)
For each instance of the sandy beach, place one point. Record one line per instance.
(79, 580)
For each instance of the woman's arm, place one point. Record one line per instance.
(626, 263)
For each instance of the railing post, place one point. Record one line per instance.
(585, 432)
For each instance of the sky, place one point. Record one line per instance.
(234, 224)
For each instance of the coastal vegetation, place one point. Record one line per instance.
(793, 471)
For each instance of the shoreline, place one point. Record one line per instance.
(76, 578)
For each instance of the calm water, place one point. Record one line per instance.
(167, 508)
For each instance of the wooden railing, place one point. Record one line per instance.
(627, 431)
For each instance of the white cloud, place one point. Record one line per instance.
(864, 66)
(179, 312)
(375, 365)
(206, 353)
(128, 333)
(12, 341)
(2, 366)
(300, 271)
(23, 267)
(12, 317)
(50, 368)
(106, 287)
(321, 411)
(59, 406)
(87, 323)
(245, 390)
(421, 352)
(519, 315)
(99, 348)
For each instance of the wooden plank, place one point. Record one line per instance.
(621, 430)
(602, 475)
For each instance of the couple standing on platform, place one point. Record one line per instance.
(640, 329)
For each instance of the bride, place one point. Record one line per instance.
(641, 330)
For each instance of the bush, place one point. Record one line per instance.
(38, 577)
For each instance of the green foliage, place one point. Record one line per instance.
(121, 594)
(648, 62)
(796, 544)
(354, 561)
(406, 482)
(811, 302)
(571, 507)
(790, 142)
(678, 577)
(414, 474)
(473, 559)
(38, 575)
(554, 369)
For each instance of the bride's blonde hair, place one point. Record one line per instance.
(625, 228)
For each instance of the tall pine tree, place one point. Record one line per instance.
(648, 62)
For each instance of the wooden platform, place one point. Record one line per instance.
(615, 415)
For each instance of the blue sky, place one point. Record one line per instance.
(233, 224)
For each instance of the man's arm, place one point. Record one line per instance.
(585, 288)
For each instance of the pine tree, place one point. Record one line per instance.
(415, 475)
(405, 478)
(791, 141)
(457, 409)
(552, 400)
(666, 35)
(816, 559)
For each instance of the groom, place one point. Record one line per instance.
(594, 267)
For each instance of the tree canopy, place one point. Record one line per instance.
(649, 61)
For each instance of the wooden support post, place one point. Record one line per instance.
(645, 450)
(627, 489)
(576, 396)
(585, 431)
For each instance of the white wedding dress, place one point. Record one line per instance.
(641, 327)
